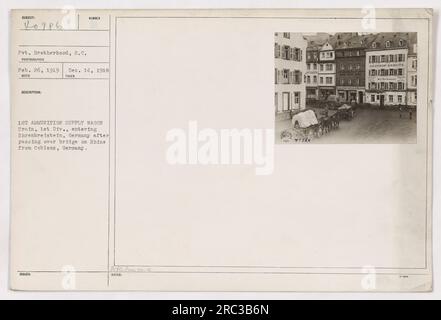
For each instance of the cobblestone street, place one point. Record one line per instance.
(368, 126)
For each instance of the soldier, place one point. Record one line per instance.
(401, 108)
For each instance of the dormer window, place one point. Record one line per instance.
(374, 44)
(387, 44)
(401, 42)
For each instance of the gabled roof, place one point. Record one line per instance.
(390, 40)
(327, 46)
(316, 41)
(355, 40)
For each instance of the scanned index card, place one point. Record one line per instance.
(224, 150)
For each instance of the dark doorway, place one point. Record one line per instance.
(360, 97)
(381, 100)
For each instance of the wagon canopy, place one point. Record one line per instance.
(305, 119)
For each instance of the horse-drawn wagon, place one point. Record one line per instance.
(305, 125)
(346, 112)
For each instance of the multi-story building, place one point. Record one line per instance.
(290, 65)
(350, 57)
(386, 69)
(412, 70)
(326, 73)
(311, 74)
(315, 43)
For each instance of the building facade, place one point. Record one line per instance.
(350, 57)
(311, 74)
(289, 71)
(386, 69)
(412, 63)
(326, 72)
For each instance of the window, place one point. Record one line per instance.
(285, 76)
(391, 98)
(275, 76)
(286, 52)
(387, 44)
(400, 57)
(308, 79)
(373, 98)
(400, 72)
(414, 80)
(286, 35)
(374, 45)
(329, 67)
(321, 67)
(342, 82)
(321, 80)
(308, 66)
(400, 86)
(401, 42)
(296, 97)
(297, 77)
(277, 50)
(414, 63)
(383, 58)
(400, 98)
(297, 54)
(328, 80)
(391, 58)
(315, 79)
(315, 66)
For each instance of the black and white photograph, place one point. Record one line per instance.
(219, 152)
(346, 87)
